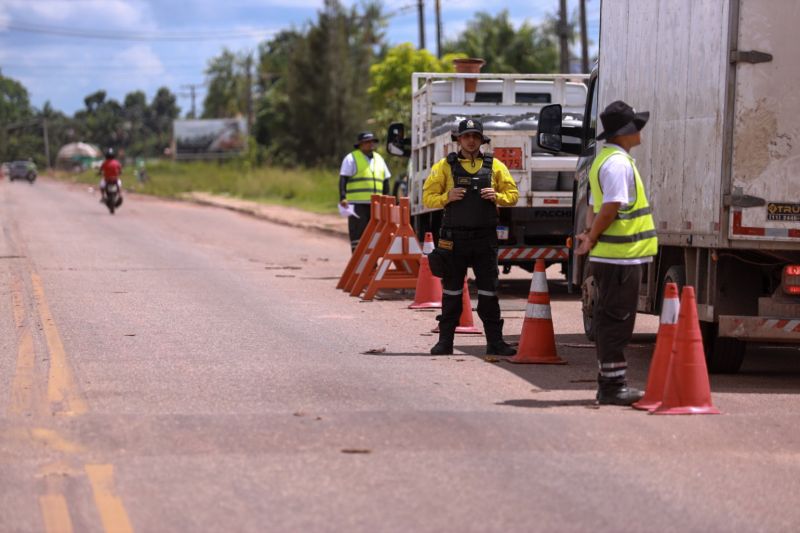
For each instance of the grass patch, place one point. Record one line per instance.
(310, 189)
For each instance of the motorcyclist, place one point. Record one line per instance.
(110, 170)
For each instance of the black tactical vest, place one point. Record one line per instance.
(472, 211)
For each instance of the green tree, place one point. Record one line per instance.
(272, 105)
(227, 86)
(390, 85)
(161, 113)
(326, 83)
(20, 129)
(529, 49)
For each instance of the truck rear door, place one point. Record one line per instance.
(765, 182)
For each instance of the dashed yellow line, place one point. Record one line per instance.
(112, 511)
(23, 386)
(63, 393)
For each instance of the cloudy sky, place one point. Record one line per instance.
(43, 42)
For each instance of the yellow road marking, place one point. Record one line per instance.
(112, 511)
(23, 386)
(62, 391)
(55, 513)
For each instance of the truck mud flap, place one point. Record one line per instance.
(753, 328)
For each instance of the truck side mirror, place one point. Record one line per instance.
(549, 129)
(396, 142)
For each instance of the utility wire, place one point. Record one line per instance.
(22, 27)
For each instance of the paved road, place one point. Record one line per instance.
(181, 368)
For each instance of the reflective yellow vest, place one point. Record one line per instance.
(633, 233)
(364, 183)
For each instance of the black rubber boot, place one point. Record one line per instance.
(617, 393)
(495, 345)
(442, 347)
(500, 348)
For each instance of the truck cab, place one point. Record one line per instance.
(508, 105)
(720, 160)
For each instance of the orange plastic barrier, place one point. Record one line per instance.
(380, 233)
(398, 265)
(366, 237)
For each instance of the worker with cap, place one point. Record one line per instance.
(620, 238)
(363, 173)
(469, 185)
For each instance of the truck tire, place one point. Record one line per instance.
(588, 298)
(724, 355)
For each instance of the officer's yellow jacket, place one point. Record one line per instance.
(434, 192)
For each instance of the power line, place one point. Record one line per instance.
(23, 27)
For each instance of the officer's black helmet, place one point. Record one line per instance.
(469, 125)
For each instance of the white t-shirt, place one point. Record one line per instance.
(619, 185)
(349, 167)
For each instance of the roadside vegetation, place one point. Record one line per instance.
(306, 93)
(310, 189)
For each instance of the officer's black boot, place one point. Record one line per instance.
(615, 391)
(495, 345)
(447, 331)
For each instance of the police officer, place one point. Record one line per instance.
(362, 174)
(620, 238)
(469, 185)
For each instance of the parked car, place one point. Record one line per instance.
(22, 170)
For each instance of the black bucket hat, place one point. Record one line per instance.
(364, 136)
(621, 119)
(469, 125)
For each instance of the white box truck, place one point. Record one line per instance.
(508, 105)
(720, 157)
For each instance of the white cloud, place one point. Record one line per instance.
(96, 14)
(141, 63)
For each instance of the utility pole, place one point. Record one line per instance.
(249, 88)
(439, 29)
(563, 36)
(421, 17)
(584, 40)
(192, 93)
(46, 142)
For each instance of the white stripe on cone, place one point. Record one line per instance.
(669, 311)
(538, 311)
(539, 282)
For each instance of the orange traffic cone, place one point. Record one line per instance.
(659, 365)
(537, 344)
(466, 324)
(428, 246)
(429, 288)
(687, 391)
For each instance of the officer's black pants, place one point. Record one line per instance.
(480, 254)
(614, 317)
(356, 226)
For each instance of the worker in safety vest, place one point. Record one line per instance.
(469, 185)
(363, 173)
(620, 237)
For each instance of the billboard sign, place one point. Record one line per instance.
(211, 138)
